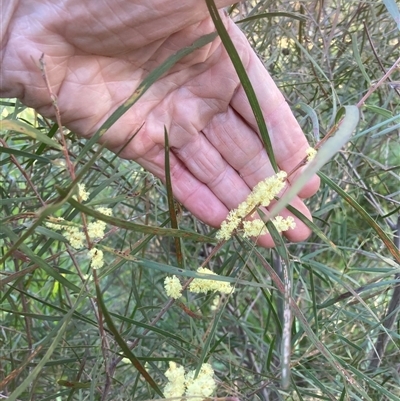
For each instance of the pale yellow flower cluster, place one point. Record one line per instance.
(96, 229)
(254, 228)
(96, 257)
(105, 210)
(203, 385)
(282, 224)
(198, 388)
(176, 381)
(199, 285)
(173, 287)
(257, 227)
(215, 303)
(262, 195)
(75, 235)
(311, 153)
(83, 194)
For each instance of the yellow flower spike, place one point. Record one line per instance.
(203, 385)
(96, 229)
(254, 228)
(282, 224)
(83, 194)
(200, 285)
(173, 287)
(176, 381)
(105, 210)
(96, 256)
(262, 195)
(75, 236)
(199, 388)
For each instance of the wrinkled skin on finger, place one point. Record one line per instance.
(96, 55)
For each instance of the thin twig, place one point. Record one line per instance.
(53, 98)
(373, 88)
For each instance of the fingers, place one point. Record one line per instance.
(240, 146)
(205, 162)
(300, 233)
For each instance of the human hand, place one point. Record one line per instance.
(96, 55)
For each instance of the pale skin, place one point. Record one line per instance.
(98, 52)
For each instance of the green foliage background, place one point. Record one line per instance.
(64, 339)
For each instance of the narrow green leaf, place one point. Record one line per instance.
(311, 335)
(313, 227)
(11, 201)
(313, 116)
(363, 378)
(244, 80)
(42, 147)
(343, 394)
(171, 203)
(33, 315)
(27, 155)
(314, 302)
(149, 327)
(379, 110)
(377, 127)
(358, 60)
(28, 130)
(50, 234)
(295, 16)
(347, 341)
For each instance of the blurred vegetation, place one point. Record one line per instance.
(61, 336)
